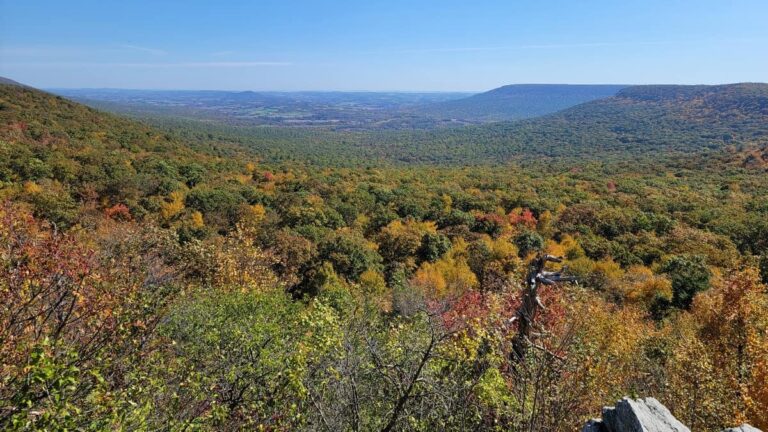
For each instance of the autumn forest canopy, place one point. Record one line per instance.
(354, 262)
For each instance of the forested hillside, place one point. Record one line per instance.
(74, 154)
(638, 120)
(645, 122)
(210, 278)
(519, 101)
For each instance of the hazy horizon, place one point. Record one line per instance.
(264, 90)
(416, 91)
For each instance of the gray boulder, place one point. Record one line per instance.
(641, 415)
(743, 428)
(644, 415)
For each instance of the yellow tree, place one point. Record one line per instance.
(448, 276)
(717, 374)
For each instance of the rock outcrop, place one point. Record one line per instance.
(636, 415)
(743, 428)
(643, 415)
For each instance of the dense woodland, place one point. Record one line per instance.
(191, 276)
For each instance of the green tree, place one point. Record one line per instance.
(349, 253)
(242, 349)
(689, 275)
(433, 246)
(528, 242)
(192, 173)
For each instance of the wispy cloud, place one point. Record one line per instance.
(562, 46)
(47, 56)
(75, 51)
(43, 51)
(527, 46)
(153, 51)
(232, 64)
(236, 64)
(225, 53)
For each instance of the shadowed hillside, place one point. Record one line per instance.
(638, 120)
(519, 101)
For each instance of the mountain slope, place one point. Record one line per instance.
(8, 81)
(638, 120)
(65, 153)
(647, 121)
(518, 101)
(649, 118)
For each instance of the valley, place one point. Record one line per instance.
(182, 268)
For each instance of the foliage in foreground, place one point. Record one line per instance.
(88, 346)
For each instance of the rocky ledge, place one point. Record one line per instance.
(643, 415)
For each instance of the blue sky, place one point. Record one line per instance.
(380, 45)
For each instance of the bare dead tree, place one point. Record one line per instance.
(531, 304)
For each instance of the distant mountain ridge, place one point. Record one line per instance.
(518, 101)
(647, 121)
(643, 119)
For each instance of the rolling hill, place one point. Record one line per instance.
(68, 153)
(44, 122)
(519, 101)
(639, 120)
